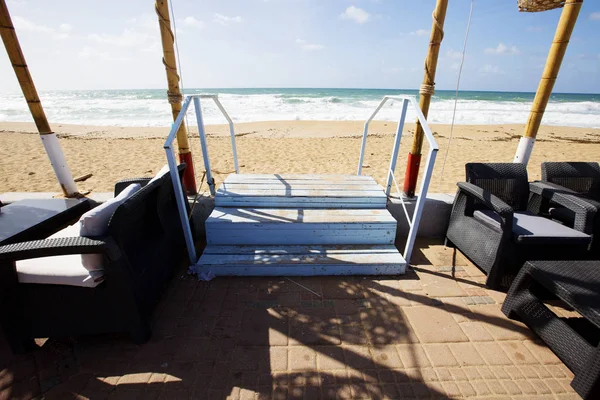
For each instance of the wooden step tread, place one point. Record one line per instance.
(233, 215)
(301, 260)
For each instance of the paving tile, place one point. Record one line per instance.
(439, 285)
(496, 387)
(540, 386)
(444, 374)
(476, 331)
(263, 328)
(466, 389)
(525, 386)
(466, 354)
(458, 374)
(278, 358)
(486, 372)
(518, 353)
(358, 357)
(500, 327)
(440, 355)
(413, 355)
(554, 385)
(542, 352)
(302, 358)
(480, 387)
(500, 372)
(556, 371)
(451, 389)
(320, 327)
(492, 353)
(511, 387)
(434, 325)
(386, 357)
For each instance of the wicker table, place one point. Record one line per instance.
(577, 283)
(26, 220)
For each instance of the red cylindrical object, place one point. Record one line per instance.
(189, 177)
(412, 173)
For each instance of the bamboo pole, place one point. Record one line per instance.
(49, 139)
(174, 94)
(567, 21)
(426, 91)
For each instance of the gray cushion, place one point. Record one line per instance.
(530, 228)
(564, 215)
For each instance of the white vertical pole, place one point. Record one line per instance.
(203, 145)
(396, 147)
(180, 199)
(524, 150)
(59, 163)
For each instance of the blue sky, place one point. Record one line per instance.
(90, 44)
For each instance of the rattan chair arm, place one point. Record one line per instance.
(58, 247)
(489, 200)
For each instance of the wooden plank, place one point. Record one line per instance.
(295, 259)
(280, 249)
(300, 237)
(296, 202)
(291, 192)
(291, 261)
(227, 215)
(238, 187)
(304, 177)
(306, 270)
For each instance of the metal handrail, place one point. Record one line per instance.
(172, 161)
(431, 155)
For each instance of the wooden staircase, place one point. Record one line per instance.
(300, 225)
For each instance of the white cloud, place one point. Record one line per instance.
(91, 53)
(22, 24)
(146, 21)
(502, 49)
(453, 54)
(225, 20)
(304, 45)
(356, 14)
(154, 47)
(489, 69)
(192, 21)
(128, 38)
(595, 16)
(420, 32)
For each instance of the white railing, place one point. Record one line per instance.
(172, 161)
(413, 222)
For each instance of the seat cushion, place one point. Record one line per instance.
(85, 270)
(95, 222)
(531, 228)
(564, 215)
(58, 270)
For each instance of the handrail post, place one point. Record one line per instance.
(203, 145)
(366, 131)
(396, 147)
(231, 133)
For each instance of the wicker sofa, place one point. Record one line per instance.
(491, 225)
(143, 246)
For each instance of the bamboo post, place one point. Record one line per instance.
(567, 21)
(173, 93)
(426, 91)
(49, 139)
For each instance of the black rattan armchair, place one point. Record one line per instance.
(490, 224)
(570, 193)
(143, 247)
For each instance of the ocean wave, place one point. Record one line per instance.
(150, 108)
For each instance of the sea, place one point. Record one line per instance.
(149, 107)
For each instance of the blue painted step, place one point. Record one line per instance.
(265, 226)
(301, 260)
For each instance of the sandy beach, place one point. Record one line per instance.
(113, 153)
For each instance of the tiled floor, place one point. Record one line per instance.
(435, 332)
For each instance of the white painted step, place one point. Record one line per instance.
(287, 226)
(291, 190)
(301, 260)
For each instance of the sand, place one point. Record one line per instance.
(113, 153)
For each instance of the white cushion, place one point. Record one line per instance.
(58, 270)
(95, 222)
(164, 170)
(85, 270)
